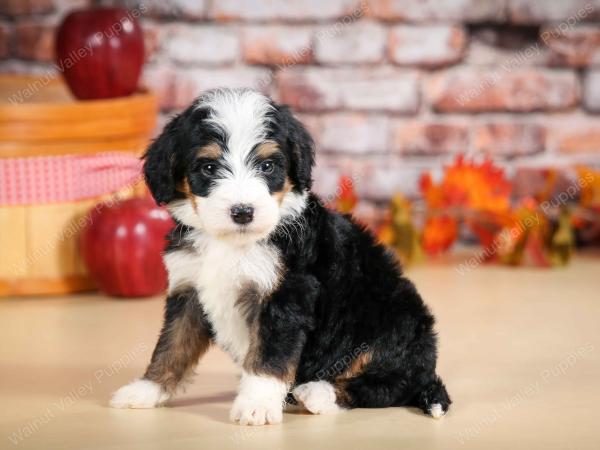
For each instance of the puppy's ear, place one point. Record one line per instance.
(161, 161)
(302, 148)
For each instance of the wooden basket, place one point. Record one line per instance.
(38, 248)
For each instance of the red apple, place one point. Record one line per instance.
(122, 247)
(100, 52)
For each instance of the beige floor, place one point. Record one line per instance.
(520, 353)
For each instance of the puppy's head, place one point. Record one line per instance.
(234, 164)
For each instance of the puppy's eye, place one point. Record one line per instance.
(266, 166)
(209, 169)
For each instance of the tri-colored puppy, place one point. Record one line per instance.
(302, 298)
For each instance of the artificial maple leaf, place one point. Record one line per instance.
(480, 193)
(524, 241)
(477, 186)
(347, 198)
(589, 181)
(439, 233)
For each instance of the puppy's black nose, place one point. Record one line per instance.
(242, 214)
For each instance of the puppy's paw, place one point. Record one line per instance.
(436, 411)
(318, 397)
(250, 411)
(139, 394)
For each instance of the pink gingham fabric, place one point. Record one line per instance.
(55, 179)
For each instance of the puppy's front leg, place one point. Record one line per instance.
(278, 327)
(184, 338)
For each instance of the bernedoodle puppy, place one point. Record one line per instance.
(304, 300)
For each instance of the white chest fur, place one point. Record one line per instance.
(219, 271)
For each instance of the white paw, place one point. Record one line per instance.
(139, 394)
(317, 396)
(251, 411)
(436, 411)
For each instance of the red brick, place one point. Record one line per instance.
(570, 12)
(153, 37)
(312, 123)
(64, 6)
(203, 44)
(429, 46)
(577, 47)
(358, 42)
(34, 41)
(377, 178)
(509, 139)
(278, 10)
(5, 40)
(367, 89)
(185, 9)
(387, 175)
(514, 47)
(22, 7)
(328, 170)
(354, 133)
(429, 137)
(277, 45)
(19, 66)
(574, 135)
(173, 9)
(370, 213)
(189, 83)
(438, 10)
(161, 81)
(465, 90)
(533, 181)
(162, 120)
(591, 91)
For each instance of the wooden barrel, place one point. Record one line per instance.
(38, 117)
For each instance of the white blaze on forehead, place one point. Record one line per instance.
(242, 115)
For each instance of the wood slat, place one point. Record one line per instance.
(51, 233)
(13, 242)
(104, 128)
(138, 104)
(53, 103)
(46, 286)
(134, 144)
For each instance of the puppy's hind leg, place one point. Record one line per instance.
(380, 391)
(433, 399)
(184, 338)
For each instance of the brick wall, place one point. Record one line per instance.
(389, 88)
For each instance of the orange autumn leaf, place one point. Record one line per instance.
(347, 198)
(479, 193)
(439, 233)
(434, 195)
(468, 184)
(485, 231)
(589, 182)
(385, 234)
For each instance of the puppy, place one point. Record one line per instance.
(302, 298)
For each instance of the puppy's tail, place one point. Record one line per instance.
(433, 399)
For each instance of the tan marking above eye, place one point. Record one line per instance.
(266, 149)
(212, 151)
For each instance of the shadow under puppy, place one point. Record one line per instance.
(301, 297)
